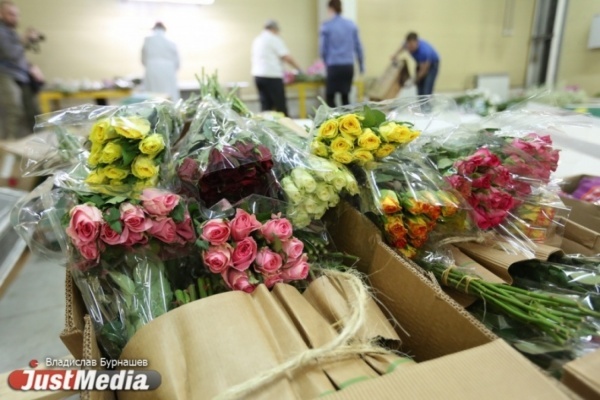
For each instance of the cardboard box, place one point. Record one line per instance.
(389, 84)
(582, 212)
(458, 357)
(580, 240)
(583, 376)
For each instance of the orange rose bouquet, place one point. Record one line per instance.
(413, 205)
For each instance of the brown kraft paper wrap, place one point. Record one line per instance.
(214, 344)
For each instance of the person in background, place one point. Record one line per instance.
(19, 80)
(268, 55)
(339, 43)
(161, 59)
(428, 62)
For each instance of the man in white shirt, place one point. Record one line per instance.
(161, 59)
(268, 54)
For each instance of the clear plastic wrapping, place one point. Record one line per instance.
(37, 219)
(221, 156)
(309, 184)
(122, 293)
(106, 149)
(414, 205)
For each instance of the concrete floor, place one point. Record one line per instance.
(32, 315)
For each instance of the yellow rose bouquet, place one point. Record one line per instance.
(108, 150)
(359, 137)
(128, 151)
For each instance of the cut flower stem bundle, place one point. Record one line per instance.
(562, 318)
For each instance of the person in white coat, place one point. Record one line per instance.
(161, 59)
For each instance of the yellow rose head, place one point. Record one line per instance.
(96, 177)
(94, 159)
(403, 135)
(111, 153)
(408, 251)
(369, 140)
(143, 167)
(385, 150)
(341, 144)
(115, 173)
(350, 125)
(388, 201)
(328, 129)
(101, 132)
(319, 148)
(152, 145)
(343, 157)
(131, 127)
(386, 129)
(363, 156)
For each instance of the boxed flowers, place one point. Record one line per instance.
(449, 345)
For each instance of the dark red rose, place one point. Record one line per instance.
(188, 171)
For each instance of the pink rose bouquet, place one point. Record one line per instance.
(246, 252)
(116, 224)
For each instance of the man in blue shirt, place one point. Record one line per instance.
(338, 45)
(428, 62)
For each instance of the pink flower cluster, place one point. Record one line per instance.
(532, 156)
(91, 233)
(240, 248)
(486, 184)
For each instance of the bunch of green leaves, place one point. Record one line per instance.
(122, 294)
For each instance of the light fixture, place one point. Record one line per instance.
(195, 2)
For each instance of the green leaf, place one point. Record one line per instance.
(116, 226)
(202, 244)
(116, 200)
(128, 156)
(372, 118)
(112, 214)
(97, 200)
(277, 246)
(382, 178)
(178, 213)
(444, 163)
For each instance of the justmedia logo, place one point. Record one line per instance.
(75, 379)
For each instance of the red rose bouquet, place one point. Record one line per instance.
(222, 158)
(498, 175)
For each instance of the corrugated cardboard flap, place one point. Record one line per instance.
(583, 375)
(492, 371)
(72, 334)
(405, 291)
(582, 235)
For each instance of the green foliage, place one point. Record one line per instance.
(372, 118)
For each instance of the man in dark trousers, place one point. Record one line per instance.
(428, 62)
(269, 52)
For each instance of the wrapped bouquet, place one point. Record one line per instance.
(221, 157)
(114, 150)
(358, 137)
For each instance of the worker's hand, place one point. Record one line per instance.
(36, 73)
